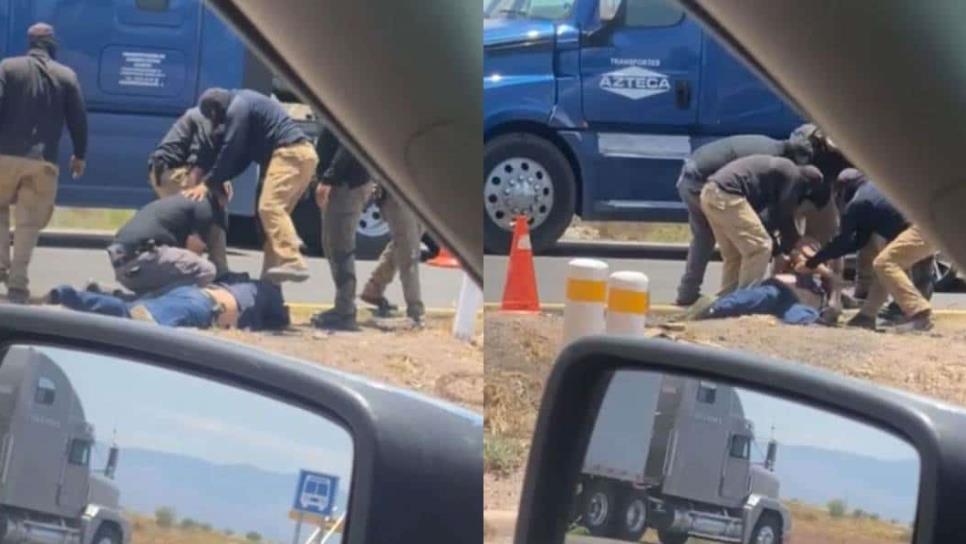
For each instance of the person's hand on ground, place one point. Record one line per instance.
(196, 193)
(77, 167)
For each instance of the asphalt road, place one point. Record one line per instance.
(663, 276)
(54, 266)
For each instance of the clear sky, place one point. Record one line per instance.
(162, 410)
(800, 425)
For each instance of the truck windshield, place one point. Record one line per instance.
(527, 9)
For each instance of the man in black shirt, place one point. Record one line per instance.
(704, 162)
(161, 246)
(344, 189)
(180, 162)
(37, 96)
(746, 202)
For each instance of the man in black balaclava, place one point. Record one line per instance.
(37, 96)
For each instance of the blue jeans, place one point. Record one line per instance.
(770, 298)
(186, 306)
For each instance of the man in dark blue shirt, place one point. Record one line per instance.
(257, 129)
(869, 213)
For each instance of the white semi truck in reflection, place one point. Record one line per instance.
(48, 492)
(674, 454)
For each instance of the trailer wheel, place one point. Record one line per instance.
(107, 534)
(670, 537)
(633, 519)
(767, 531)
(600, 508)
(526, 175)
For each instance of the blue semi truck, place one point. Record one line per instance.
(591, 105)
(141, 64)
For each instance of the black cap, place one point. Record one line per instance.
(39, 31)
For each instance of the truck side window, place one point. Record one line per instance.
(45, 392)
(740, 447)
(707, 393)
(153, 5)
(652, 13)
(80, 452)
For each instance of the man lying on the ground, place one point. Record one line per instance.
(162, 245)
(236, 303)
(796, 299)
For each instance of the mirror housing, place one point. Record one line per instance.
(406, 444)
(113, 456)
(771, 454)
(573, 394)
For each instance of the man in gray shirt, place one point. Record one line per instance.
(37, 96)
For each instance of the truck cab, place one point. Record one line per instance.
(590, 106)
(682, 465)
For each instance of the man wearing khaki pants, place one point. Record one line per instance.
(37, 96)
(257, 129)
(746, 202)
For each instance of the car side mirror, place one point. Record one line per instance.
(111, 429)
(638, 435)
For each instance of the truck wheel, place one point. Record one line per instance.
(767, 531)
(633, 518)
(945, 276)
(669, 537)
(107, 534)
(601, 508)
(526, 175)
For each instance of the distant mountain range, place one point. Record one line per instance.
(817, 476)
(238, 497)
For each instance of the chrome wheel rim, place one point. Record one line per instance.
(518, 186)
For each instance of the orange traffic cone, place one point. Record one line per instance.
(444, 259)
(520, 291)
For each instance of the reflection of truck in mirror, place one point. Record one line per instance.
(674, 454)
(48, 492)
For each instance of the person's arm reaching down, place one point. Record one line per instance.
(852, 236)
(229, 163)
(76, 117)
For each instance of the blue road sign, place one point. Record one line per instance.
(315, 493)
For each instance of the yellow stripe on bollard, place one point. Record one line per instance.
(627, 302)
(586, 290)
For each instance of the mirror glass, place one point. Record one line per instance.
(673, 459)
(104, 450)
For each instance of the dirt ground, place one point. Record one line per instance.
(520, 350)
(627, 231)
(430, 360)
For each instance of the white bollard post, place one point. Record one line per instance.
(627, 303)
(467, 306)
(585, 298)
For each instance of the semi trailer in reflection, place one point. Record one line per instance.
(674, 454)
(48, 491)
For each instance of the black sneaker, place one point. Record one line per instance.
(892, 312)
(920, 322)
(16, 295)
(384, 308)
(332, 321)
(862, 321)
(286, 272)
(686, 301)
